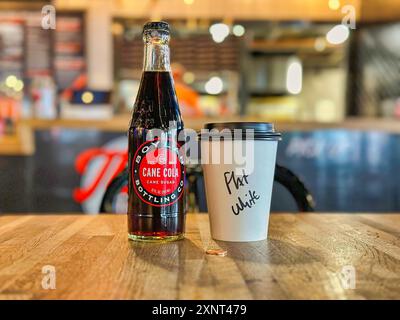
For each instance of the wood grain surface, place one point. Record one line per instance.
(302, 259)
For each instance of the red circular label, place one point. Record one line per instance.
(158, 173)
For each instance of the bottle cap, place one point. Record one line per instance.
(156, 25)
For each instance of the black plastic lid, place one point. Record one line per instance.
(156, 25)
(262, 130)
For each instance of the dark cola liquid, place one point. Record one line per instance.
(156, 205)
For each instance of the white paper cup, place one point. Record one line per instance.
(238, 195)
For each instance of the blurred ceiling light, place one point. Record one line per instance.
(338, 34)
(294, 77)
(214, 85)
(334, 4)
(87, 97)
(11, 81)
(188, 2)
(19, 85)
(188, 77)
(218, 39)
(238, 30)
(219, 31)
(320, 44)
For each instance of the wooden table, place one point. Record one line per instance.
(302, 259)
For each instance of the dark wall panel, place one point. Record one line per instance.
(45, 181)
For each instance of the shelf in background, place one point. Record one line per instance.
(120, 123)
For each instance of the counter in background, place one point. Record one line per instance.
(24, 144)
(120, 123)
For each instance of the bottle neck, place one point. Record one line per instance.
(156, 57)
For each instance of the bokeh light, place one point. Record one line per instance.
(214, 85)
(294, 77)
(338, 34)
(188, 77)
(87, 97)
(219, 31)
(11, 81)
(334, 4)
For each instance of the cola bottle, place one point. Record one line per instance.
(156, 204)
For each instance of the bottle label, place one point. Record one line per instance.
(158, 173)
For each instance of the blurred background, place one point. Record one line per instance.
(327, 72)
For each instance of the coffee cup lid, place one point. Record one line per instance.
(261, 130)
